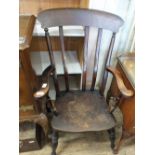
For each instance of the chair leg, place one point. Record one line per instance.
(116, 150)
(112, 137)
(54, 141)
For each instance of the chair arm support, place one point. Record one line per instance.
(121, 86)
(45, 83)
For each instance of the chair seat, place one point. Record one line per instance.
(80, 111)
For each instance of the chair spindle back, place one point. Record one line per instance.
(86, 18)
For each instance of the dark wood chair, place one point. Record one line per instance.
(83, 110)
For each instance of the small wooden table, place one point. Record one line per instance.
(29, 109)
(126, 66)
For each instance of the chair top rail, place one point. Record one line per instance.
(84, 17)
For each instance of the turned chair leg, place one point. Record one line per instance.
(112, 137)
(116, 150)
(54, 141)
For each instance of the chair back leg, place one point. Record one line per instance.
(112, 137)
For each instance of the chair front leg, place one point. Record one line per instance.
(54, 141)
(112, 137)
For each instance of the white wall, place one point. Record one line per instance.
(125, 9)
(125, 38)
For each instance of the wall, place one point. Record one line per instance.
(126, 10)
(125, 41)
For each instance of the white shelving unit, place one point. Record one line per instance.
(77, 31)
(40, 60)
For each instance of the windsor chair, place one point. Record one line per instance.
(82, 110)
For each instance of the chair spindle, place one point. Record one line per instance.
(107, 63)
(85, 53)
(95, 69)
(64, 57)
(50, 52)
(51, 56)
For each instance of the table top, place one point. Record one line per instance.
(26, 26)
(127, 63)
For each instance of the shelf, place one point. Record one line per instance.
(74, 84)
(40, 60)
(75, 31)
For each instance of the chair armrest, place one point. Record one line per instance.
(121, 86)
(45, 82)
(42, 91)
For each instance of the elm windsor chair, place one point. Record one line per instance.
(80, 111)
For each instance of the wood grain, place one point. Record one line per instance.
(64, 59)
(26, 25)
(85, 54)
(28, 80)
(106, 64)
(52, 61)
(49, 71)
(37, 6)
(126, 105)
(96, 59)
(80, 111)
(120, 84)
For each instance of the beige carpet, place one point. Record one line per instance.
(89, 143)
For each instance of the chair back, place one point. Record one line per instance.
(86, 18)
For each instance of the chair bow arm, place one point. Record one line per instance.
(121, 86)
(45, 82)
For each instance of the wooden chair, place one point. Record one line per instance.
(83, 110)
